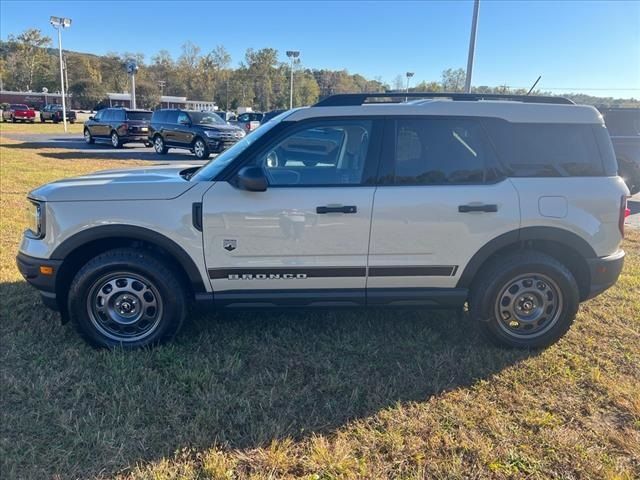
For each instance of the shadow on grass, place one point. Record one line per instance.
(237, 380)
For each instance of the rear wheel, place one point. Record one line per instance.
(41, 119)
(525, 299)
(159, 146)
(200, 149)
(126, 298)
(115, 140)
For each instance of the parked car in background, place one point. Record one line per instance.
(19, 112)
(226, 116)
(248, 121)
(624, 127)
(269, 115)
(53, 112)
(118, 126)
(202, 133)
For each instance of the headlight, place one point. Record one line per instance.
(35, 217)
(211, 133)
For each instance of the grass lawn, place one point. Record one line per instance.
(323, 395)
(37, 127)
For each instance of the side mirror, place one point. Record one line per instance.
(252, 179)
(92, 117)
(185, 122)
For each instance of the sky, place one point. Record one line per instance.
(590, 47)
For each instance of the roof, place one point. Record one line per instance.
(513, 111)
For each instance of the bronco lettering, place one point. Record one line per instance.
(267, 276)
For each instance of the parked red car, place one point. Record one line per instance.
(18, 111)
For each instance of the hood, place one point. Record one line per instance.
(220, 127)
(158, 182)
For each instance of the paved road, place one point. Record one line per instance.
(74, 146)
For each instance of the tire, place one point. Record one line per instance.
(72, 122)
(115, 140)
(148, 307)
(13, 119)
(41, 119)
(200, 149)
(159, 146)
(525, 299)
(88, 138)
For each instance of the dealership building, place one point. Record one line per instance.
(166, 101)
(33, 99)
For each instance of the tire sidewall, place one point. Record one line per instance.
(485, 306)
(205, 149)
(173, 299)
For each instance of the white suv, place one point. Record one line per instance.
(509, 204)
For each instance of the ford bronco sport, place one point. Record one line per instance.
(511, 205)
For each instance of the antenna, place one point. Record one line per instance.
(534, 84)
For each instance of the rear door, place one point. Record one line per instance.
(441, 198)
(304, 240)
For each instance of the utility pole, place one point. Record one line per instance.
(472, 46)
(66, 74)
(132, 69)
(59, 23)
(292, 54)
(161, 84)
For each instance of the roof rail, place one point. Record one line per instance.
(354, 99)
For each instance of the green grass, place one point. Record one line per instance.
(333, 395)
(37, 127)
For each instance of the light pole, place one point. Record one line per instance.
(409, 75)
(292, 54)
(132, 69)
(472, 46)
(59, 23)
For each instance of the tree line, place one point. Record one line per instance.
(29, 63)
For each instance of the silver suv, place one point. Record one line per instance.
(511, 205)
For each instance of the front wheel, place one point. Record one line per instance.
(88, 138)
(525, 300)
(41, 119)
(200, 149)
(126, 298)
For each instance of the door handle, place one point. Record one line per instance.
(478, 208)
(337, 209)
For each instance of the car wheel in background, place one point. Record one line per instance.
(41, 119)
(159, 146)
(88, 138)
(115, 140)
(200, 149)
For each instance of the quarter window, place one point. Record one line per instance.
(441, 152)
(331, 153)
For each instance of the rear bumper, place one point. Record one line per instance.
(604, 272)
(29, 267)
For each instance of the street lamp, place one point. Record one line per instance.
(409, 75)
(132, 69)
(59, 23)
(292, 54)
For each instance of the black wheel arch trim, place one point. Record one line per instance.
(554, 234)
(134, 233)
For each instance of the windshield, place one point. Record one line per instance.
(205, 118)
(19, 106)
(219, 163)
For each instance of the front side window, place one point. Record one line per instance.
(441, 152)
(330, 153)
(183, 118)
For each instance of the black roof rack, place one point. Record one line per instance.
(354, 99)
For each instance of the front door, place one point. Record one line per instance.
(441, 199)
(304, 240)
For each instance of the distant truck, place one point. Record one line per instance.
(624, 128)
(18, 112)
(53, 113)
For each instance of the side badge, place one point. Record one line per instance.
(229, 245)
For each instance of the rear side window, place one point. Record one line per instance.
(107, 115)
(171, 116)
(441, 151)
(546, 150)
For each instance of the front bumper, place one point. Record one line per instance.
(217, 145)
(46, 284)
(604, 272)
